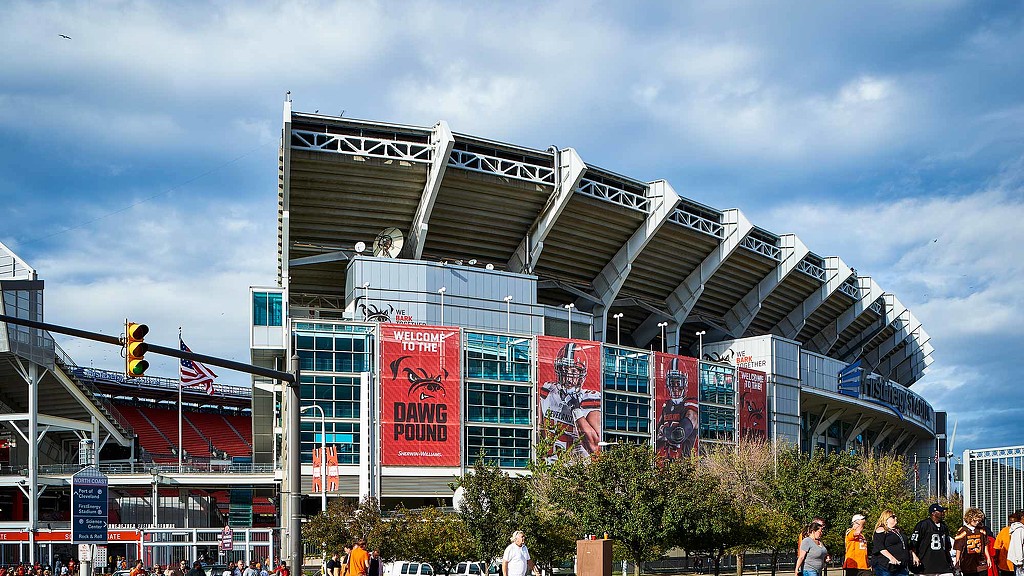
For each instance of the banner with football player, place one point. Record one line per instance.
(676, 405)
(753, 401)
(419, 383)
(569, 390)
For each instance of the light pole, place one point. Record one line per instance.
(662, 325)
(700, 343)
(441, 291)
(508, 313)
(323, 454)
(569, 307)
(618, 334)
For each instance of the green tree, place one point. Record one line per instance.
(341, 524)
(622, 491)
(436, 538)
(496, 505)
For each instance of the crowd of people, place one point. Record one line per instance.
(354, 561)
(59, 568)
(197, 568)
(930, 548)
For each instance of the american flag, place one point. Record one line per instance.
(194, 373)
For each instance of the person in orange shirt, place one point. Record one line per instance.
(1003, 545)
(359, 559)
(856, 563)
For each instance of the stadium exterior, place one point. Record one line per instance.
(510, 250)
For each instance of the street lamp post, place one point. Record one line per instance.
(508, 313)
(323, 454)
(441, 291)
(662, 325)
(700, 343)
(618, 334)
(569, 307)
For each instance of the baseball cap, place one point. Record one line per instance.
(857, 517)
(936, 508)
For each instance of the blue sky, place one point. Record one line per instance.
(889, 133)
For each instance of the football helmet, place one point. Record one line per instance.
(676, 381)
(570, 368)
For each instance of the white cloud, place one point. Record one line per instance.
(177, 271)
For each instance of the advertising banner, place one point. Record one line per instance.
(332, 468)
(675, 401)
(753, 404)
(420, 392)
(569, 390)
(318, 462)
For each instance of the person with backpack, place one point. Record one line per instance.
(930, 544)
(1015, 548)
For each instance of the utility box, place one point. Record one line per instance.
(594, 557)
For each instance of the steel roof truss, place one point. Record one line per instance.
(662, 200)
(791, 252)
(570, 169)
(894, 314)
(904, 327)
(361, 146)
(682, 300)
(836, 274)
(442, 141)
(869, 292)
(477, 162)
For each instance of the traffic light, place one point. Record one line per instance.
(134, 349)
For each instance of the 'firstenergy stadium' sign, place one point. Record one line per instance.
(856, 382)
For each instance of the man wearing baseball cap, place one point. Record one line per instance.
(930, 544)
(856, 562)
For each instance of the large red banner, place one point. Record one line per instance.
(675, 400)
(753, 400)
(419, 395)
(569, 390)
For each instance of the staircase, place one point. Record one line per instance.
(68, 367)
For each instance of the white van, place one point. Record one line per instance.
(403, 568)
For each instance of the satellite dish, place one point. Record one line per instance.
(489, 266)
(388, 243)
(360, 246)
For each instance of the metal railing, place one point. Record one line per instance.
(69, 366)
(155, 382)
(130, 468)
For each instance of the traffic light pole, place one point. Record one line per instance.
(295, 469)
(154, 349)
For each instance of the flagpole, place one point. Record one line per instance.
(179, 405)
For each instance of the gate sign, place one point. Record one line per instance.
(89, 506)
(227, 539)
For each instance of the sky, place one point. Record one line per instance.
(139, 157)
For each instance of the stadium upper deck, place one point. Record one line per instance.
(607, 243)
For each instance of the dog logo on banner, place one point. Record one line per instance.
(332, 469)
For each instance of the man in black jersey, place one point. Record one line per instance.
(930, 544)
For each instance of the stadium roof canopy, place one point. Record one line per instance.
(607, 242)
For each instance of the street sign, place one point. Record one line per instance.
(84, 552)
(99, 557)
(227, 539)
(89, 506)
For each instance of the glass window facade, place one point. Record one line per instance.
(332, 352)
(266, 308)
(493, 403)
(626, 413)
(717, 403)
(497, 357)
(627, 370)
(627, 395)
(337, 395)
(506, 447)
(499, 399)
(717, 423)
(343, 435)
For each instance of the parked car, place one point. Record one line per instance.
(215, 569)
(470, 569)
(403, 568)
